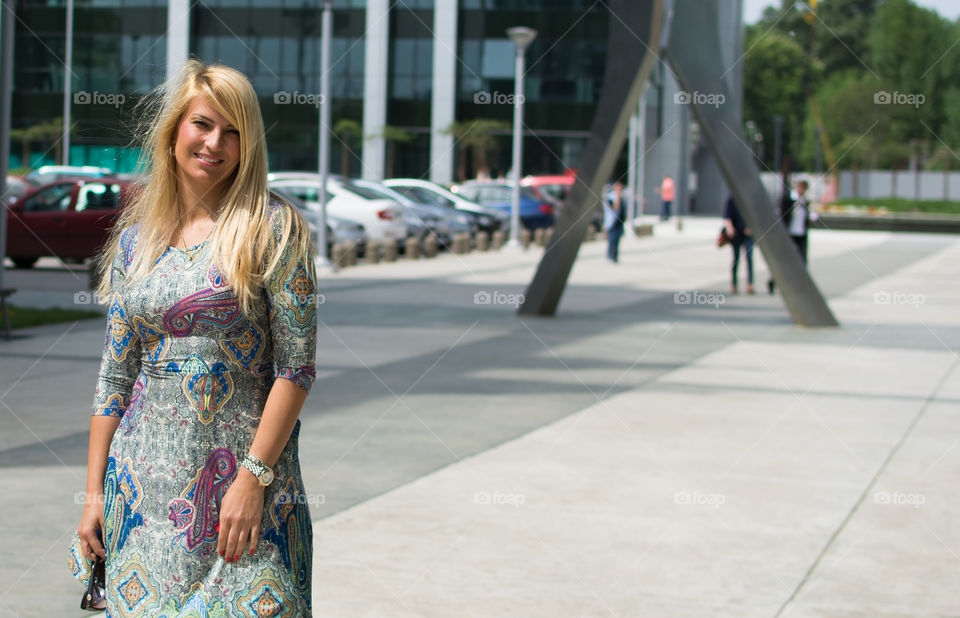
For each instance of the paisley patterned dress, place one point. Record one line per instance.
(189, 374)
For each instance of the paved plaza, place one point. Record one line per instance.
(659, 448)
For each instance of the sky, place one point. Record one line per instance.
(753, 9)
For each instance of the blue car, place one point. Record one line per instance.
(499, 195)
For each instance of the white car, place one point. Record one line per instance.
(426, 192)
(381, 218)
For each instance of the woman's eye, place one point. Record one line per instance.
(200, 123)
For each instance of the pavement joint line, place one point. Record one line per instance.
(398, 398)
(603, 403)
(800, 397)
(599, 398)
(866, 491)
(37, 361)
(694, 387)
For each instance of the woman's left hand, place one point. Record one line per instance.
(240, 514)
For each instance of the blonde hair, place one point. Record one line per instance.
(243, 240)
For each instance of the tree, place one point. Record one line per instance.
(478, 137)
(774, 67)
(348, 132)
(393, 136)
(43, 132)
(916, 74)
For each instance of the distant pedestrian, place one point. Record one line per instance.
(740, 238)
(613, 220)
(798, 219)
(667, 191)
(796, 214)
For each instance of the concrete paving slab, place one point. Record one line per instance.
(635, 455)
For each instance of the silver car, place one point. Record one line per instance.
(338, 230)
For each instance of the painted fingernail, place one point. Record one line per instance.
(235, 558)
(228, 558)
(251, 552)
(222, 552)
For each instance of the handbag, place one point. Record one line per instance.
(91, 574)
(723, 239)
(95, 598)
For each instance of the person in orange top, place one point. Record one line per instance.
(668, 192)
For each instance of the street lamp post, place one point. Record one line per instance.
(521, 37)
(323, 156)
(67, 87)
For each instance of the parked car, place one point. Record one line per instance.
(426, 192)
(17, 186)
(534, 213)
(68, 219)
(382, 219)
(444, 223)
(338, 229)
(555, 190)
(52, 173)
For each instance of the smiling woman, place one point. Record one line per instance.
(194, 495)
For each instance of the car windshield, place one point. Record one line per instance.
(556, 193)
(364, 192)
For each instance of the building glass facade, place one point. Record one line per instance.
(563, 78)
(120, 47)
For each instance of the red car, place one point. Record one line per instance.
(69, 219)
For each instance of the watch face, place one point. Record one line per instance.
(267, 477)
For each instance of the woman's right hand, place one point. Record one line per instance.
(91, 525)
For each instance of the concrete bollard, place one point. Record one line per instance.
(350, 257)
(525, 238)
(461, 244)
(538, 236)
(413, 248)
(338, 255)
(497, 240)
(372, 252)
(390, 250)
(643, 229)
(483, 241)
(547, 236)
(430, 246)
(591, 233)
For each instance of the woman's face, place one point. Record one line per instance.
(207, 147)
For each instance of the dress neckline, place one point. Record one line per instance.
(190, 247)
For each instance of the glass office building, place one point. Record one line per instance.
(404, 71)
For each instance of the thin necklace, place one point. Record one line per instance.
(196, 250)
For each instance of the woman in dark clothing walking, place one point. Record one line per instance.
(739, 235)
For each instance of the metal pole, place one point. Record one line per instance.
(683, 177)
(778, 154)
(323, 132)
(517, 148)
(67, 87)
(6, 90)
(631, 172)
(642, 156)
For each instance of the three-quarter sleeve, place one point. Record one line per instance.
(291, 291)
(120, 363)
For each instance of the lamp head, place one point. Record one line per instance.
(521, 36)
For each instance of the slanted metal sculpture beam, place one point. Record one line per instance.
(693, 52)
(635, 32)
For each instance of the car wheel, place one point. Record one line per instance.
(24, 262)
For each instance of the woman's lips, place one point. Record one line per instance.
(206, 160)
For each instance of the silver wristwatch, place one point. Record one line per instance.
(262, 471)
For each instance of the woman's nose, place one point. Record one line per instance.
(214, 138)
